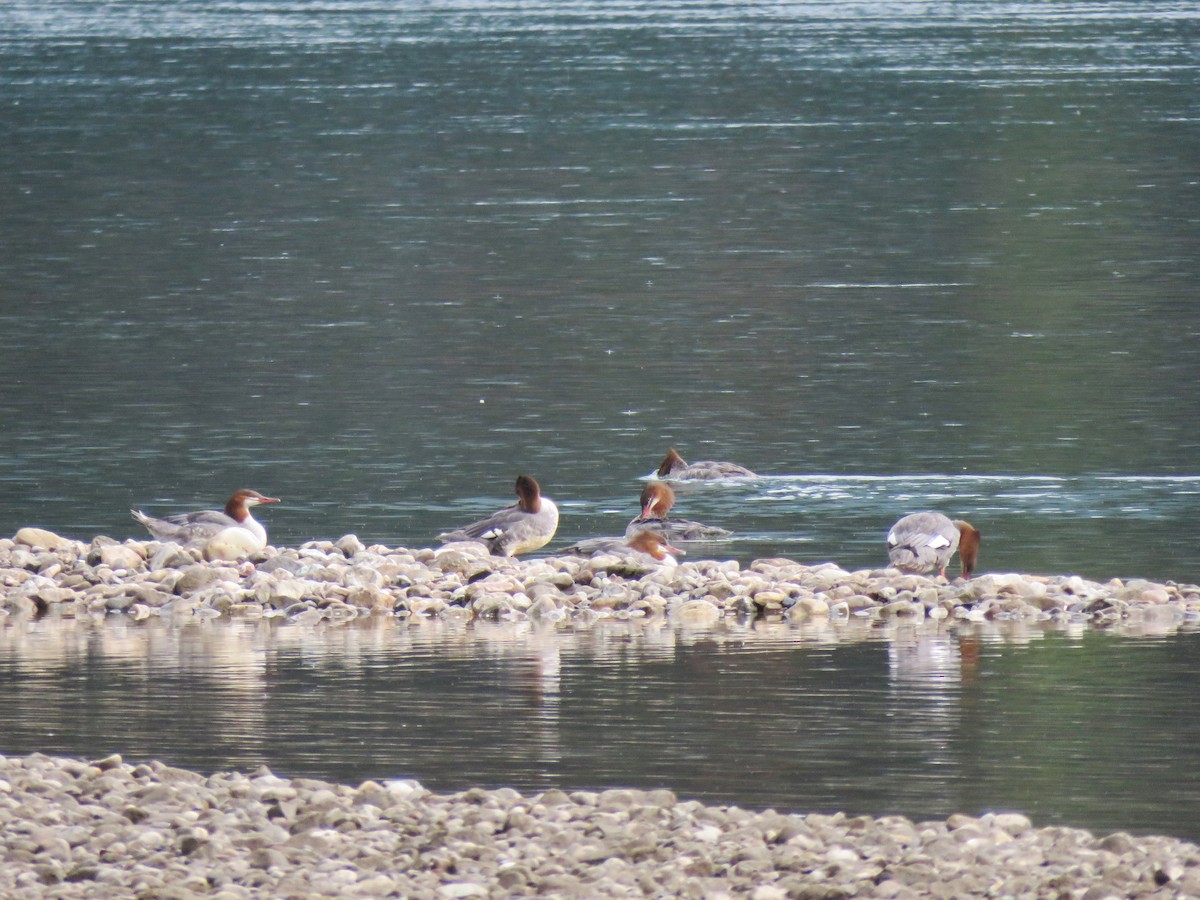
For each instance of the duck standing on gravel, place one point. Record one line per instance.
(234, 528)
(526, 525)
(656, 501)
(675, 467)
(924, 541)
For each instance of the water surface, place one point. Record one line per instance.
(377, 260)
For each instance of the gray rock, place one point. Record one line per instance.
(121, 556)
(196, 577)
(42, 539)
(349, 545)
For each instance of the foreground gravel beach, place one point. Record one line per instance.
(109, 828)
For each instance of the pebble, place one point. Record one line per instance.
(109, 829)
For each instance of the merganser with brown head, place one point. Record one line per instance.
(526, 525)
(636, 546)
(235, 526)
(656, 501)
(924, 541)
(675, 467)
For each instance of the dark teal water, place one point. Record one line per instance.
(377, 259)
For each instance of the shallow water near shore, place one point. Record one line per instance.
(1087, 729)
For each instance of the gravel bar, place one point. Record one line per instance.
(322, 581)
(108, 828)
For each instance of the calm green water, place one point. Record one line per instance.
(377, 259)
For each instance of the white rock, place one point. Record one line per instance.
(121, 556)
(463, 889)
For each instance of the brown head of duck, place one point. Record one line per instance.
(656, 500)
(968, 546)
(238, 506)
(653, 544)
(529, 494)
(672, 462)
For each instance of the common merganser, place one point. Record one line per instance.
(637, 547)
(656, 500)
(674, 466)
(234, 527)
(924, 541)
(526, 525)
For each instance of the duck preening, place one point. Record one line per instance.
(925, 541)
(645, 546)
(656, 502)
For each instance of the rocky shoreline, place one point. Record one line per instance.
(107, 828)
(43, 573)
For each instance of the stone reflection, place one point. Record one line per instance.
(856, 714)
(82, 686)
